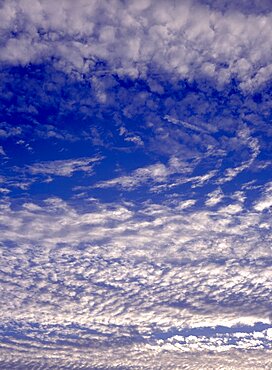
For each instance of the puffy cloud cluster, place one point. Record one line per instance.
(115, 275)
(187, 39)
(143, 357)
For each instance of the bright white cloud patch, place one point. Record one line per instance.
(214, 198)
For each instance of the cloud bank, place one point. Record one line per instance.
(182, 39)
(141, 274)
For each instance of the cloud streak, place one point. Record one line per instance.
(65, 167)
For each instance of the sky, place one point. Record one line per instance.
(135, 184)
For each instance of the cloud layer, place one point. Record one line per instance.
(185, 40)
(135, 210)
(119, 271)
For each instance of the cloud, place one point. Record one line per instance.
(7, 130)
(202, 166)
(141, 356)
(187, 203)
(266, 200)
(4, 190)
(185, 124)
(253, 146)
(64, 167)
(119, 275)
(188, 39)
(214, 198)
(2, 151)
(180, 274)
(152, 174)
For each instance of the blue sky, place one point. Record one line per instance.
(135, 183)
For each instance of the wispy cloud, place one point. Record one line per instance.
(214, 198)
(152, 174)
(64, 167)
(254, 148)
(190, 126)
(266, 200)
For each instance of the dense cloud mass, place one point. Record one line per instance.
(135, 184)
(120, 274)
(186, 39)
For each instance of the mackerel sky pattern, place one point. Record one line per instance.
(135, 184)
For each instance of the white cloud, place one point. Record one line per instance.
(185, 124)
(214, 198)
(131, 271)
(263, 204)
(254, 147)
(64, 167)
(188, 39)
(266, 200)
(80, 283)
(4, 190)
(152, 174)
(7, 130)
(2, 152)
(231, 208)
(186, 204)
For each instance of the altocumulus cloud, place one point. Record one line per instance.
(135, 141)
(189, 38)
(121, 272)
